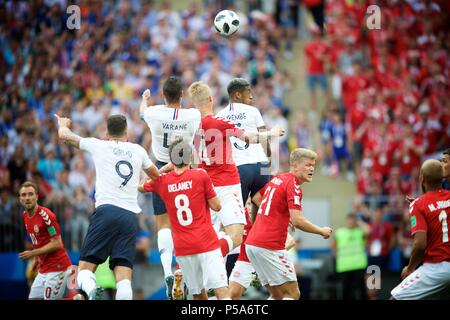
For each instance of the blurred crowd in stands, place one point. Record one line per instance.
(387, 105)
(121, 48)
(385, 91)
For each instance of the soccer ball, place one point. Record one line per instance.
(226, 22)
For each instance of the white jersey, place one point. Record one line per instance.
(117, 169)
(166, 124)
(248, 118)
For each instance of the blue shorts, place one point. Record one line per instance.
(112, 233)
(315, 79)
(251, 178)
(158, 204)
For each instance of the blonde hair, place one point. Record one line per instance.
(300, 153)
(199, 93)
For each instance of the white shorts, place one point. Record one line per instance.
(242, 273)
(426, 280)
(272, 266)
(232, 211)
(50, 286)
(203, 271)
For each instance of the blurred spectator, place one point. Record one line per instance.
(49, 166)
(141, 260)
(79, 223)
(351, 258)
(380, 242)
(316, 52)
(303, 133)
(339, 139)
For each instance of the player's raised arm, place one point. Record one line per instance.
(144, 102)
(262, 136)
(299, 221)
(65, 134)
(152, 172)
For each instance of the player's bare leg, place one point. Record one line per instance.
(236, 290)
(201, 296)
(288, 290)
(123, 283)
(222, 293)
(235, 232)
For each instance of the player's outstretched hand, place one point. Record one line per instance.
(63, 122)
(26, 255)
(277, 131)
(146, 95)
(326, 232)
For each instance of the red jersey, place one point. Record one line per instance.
(316, 51)
(186, 198)
(431, 213)
(215, 150)
(41, 227)
(281, 194)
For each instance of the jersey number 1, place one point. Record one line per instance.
(443, 220)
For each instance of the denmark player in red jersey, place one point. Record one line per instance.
(215, 152)
(429, 217)
(281, 203)
(43, 229)
(188, 194)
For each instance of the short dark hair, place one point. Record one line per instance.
(172, 89)
(116, 125)
(237, 85)
(28, 184)
(180, 152)
(351, 215)
(447, 152)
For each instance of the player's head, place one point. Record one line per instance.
(117, 126)
(239, 91)
(180, 153)
(351, 220)
(302, 162)
(172, 90)
(28, 195)
(446, 163)
(431, 175)
(201, 96)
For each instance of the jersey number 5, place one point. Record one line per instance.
(182, 205)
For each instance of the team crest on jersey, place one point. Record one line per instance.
(36, 228)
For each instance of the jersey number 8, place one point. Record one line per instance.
(182, 205)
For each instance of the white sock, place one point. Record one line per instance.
(165, 247)
(286, 298)
(124, 291)
(86, 281)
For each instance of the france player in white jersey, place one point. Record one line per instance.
(114, 225)
(251, 161)
(167, 123)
